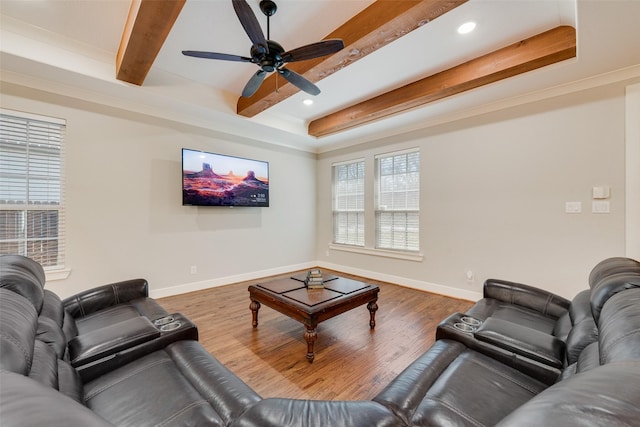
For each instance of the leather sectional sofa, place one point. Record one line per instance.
(520, 357)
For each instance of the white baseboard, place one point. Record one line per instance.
(397, 280)
(227, 280)
(409, 283)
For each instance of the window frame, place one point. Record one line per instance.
(35, 144)
(402, 235)
(356, 213)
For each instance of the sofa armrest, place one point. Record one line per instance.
(166, 330)
(111, 339)
(537, 299)
(521, 340)
(102, 297)
(450, 329)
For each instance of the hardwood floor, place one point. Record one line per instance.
(352, 362)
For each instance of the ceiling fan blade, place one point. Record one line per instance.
(313, 50)
(254, 83)
(299, 81)
(250, 24)
(214, 55)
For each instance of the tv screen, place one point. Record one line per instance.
(210, 179)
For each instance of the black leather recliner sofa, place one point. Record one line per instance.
(477, 373)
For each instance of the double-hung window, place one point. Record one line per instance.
(348, 203)
(397, 200)
(31, 187)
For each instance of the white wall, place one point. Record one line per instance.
(124, 210)
(493, 193)
(632, 125)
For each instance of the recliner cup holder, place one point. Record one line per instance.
(464, 327)
(467, 324)
(164, 320)
(170, 326)
(471, 321)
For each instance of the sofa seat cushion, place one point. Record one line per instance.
(25, 402)
(180, 384)
(452, 385)
(488, 307)
(278, 412)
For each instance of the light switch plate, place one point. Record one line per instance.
(573, 207)
(600, 206)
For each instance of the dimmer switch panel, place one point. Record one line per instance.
(573, 207)
(600, 206)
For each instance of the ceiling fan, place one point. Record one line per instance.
(269, 55)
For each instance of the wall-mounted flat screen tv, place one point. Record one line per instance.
(210, 179)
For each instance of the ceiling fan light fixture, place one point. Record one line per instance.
(269, 55)
(467, 27)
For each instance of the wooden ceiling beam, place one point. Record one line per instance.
(376, 26)
(147, 27)
(535, 52)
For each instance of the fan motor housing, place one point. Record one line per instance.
(268, 61)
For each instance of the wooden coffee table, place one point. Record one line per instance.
(312, 306)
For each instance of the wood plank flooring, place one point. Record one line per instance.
(352, 362)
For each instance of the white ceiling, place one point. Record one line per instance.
(69, 47)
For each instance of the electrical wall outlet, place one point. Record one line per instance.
(194, 269)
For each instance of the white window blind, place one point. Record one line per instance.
(31, 190)
(348, 203)
(398, 201)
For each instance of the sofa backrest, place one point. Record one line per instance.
(609, 277)
(18, 326)
(23, 352)
(607, 396)
(26, 277)
(618, 334)
(583, 330)
(23, 276)
(612, 266)
(619, 326)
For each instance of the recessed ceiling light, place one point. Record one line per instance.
(467, 27)
(308, 102)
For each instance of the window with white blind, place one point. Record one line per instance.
(348, 203)
(31, 187)
(397, 200)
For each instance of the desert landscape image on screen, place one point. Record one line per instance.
(217, 180)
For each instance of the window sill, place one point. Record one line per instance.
(58, 274)
(408, 256)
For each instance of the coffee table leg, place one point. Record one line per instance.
(310, 337)
(254, 306)
(373, 307)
